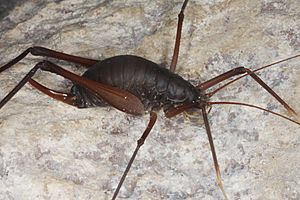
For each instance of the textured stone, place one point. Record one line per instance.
(49, 150)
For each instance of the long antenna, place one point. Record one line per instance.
(263, 67)
(253, 106)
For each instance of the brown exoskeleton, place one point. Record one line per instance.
(133, 85)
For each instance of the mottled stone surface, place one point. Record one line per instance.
(49, 150)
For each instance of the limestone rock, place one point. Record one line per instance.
(49, 150)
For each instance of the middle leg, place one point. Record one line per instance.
(178, 37)
(140, 142)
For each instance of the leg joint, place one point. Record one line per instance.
(140, 142)
(38, 51)
(240, 70)
(46, 65)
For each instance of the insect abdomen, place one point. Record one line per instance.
(154, 85)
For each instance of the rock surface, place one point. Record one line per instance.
(49, 150)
